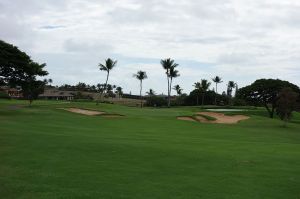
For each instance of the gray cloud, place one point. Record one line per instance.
(71, 45)
(50, 27)
(239, 40)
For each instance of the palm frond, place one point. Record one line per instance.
(140, 75)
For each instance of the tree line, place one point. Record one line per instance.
(170, 68)
(277, 96)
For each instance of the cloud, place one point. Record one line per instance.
(50, 27)
(100, 48)
(238, 40)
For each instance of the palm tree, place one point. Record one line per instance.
(151, 92)
(230, 86)
(217, 80)
(205, 86)
(108, 66)
(110, 90)
(173, 74)
(198, 88)
(48, 82)
(178, 89)
(100, 88)
(141, 75)
(168, 65)
(119, 91)
(202, 87)
(236, 89)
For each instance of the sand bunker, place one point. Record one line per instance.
(221, 118)
(186, 118)
(83, 111)
(92, 112)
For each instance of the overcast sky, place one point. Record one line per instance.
(239, 40)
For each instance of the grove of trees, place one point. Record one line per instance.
(265, 92)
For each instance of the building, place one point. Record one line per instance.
(12, 92)
(55, 94)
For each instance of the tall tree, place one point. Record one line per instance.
(265, 92)
(110, 90)
(198, 88)
(205, 84)
(100, 88)
(17, 69)
(119, 91)
(16, 66)
(31, 87)
(178, 89)
(217, 80)
(230, 87)
(168, 65)
(236, 89)
(50, 81)
(286, 104)
(107, 66)
(173, 74)
(141, 75)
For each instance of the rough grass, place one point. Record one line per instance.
(50, 153)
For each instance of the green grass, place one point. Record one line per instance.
(47, 152)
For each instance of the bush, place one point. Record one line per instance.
(155, 101)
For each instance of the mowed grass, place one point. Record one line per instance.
(46, 152)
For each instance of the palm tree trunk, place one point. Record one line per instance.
(197, 99)
(168, 91)
(106, 81)
(141, 87)
(216, 94)
(105, 86)
(101, 92)
(202, 98)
